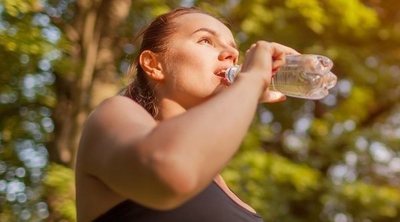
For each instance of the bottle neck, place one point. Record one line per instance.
(231, 73)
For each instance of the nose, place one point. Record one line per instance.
(229, 53)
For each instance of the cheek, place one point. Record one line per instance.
(186, 57)
(183, 65)
(190, 71)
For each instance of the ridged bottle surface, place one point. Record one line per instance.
(303, 76)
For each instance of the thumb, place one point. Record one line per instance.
(272, 97)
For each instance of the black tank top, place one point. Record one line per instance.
(211, 205)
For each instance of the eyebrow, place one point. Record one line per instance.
(214, 33)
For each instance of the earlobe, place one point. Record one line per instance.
(151, 65)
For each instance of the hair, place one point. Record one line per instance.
(155, 38)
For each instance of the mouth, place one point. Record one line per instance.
(221, 72)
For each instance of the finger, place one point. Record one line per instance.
(276, 64)
(251, 47)
(279, 53)
(285, 49)
(272, 97)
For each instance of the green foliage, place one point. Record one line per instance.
(349, 109)
(266, 180)
(382, 202)
(25, 101)
(59, 183)
(333, 137)
(336, 159)
(348, 21)
(21, 36)
(16, 8)
(312, 11)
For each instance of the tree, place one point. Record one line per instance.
(25, 108)
(346, 141)
(82, 65)
(330, 160)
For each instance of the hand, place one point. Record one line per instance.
(264, 59)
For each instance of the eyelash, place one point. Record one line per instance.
(206, 39)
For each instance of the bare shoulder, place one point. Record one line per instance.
(110, 131)
(118, 114)
(116, 123)
(119, 108)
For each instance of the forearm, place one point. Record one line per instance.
(199, 143)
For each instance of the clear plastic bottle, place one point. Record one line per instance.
(304, 76)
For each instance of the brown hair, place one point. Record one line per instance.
(155, 38)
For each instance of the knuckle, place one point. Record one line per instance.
(263, 45)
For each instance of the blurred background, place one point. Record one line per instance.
(335, 159)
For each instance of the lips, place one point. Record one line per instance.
(221, 72)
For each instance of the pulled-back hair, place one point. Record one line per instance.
(155, 38)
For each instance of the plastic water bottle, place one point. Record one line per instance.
(304, 76)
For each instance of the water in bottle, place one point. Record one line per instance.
(303, 76)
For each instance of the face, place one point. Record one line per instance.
(198, 52)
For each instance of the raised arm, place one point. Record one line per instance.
(162, 165)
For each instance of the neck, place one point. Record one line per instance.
(168, 109)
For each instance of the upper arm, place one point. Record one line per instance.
(109, 151)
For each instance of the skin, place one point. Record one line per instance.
(162, 162)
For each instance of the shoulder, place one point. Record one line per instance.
(118, 104)
(119, 110)
(116, 123)
(113, 128)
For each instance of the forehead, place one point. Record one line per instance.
(189, 23)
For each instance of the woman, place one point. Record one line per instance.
(155, 154)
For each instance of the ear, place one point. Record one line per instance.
(150, 64)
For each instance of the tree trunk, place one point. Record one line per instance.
(92, 76)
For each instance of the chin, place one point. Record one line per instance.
(219, 88)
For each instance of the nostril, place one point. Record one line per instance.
(226, 55)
